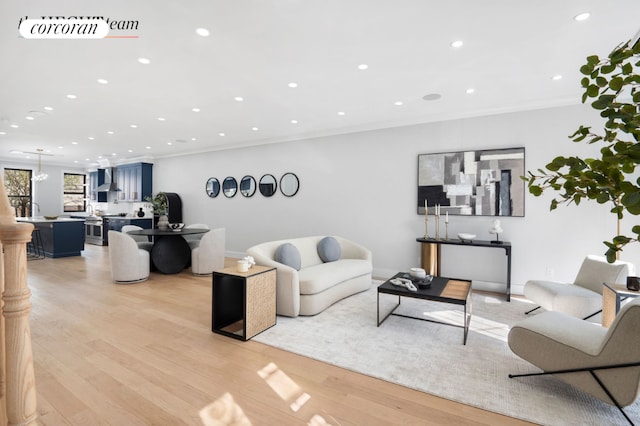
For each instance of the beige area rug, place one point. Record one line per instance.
(431, 358)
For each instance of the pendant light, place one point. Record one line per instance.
(40, 176)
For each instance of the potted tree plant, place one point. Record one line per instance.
(159, 204)
(613, 84)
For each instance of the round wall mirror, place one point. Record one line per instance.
(289, 184)
(268, 185)
(229, 187)
(213, 187)
(247, 186)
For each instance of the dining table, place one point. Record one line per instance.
(170, 253)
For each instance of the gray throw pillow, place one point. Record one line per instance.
(329, 249)
(289, 255)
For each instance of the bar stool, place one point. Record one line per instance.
(35, 249)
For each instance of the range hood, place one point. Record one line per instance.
(109, 181)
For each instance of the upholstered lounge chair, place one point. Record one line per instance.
(129, 264)
(209, 254)
(604, 363)
(142, 240)
(582, 298)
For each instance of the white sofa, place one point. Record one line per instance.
(317, 284)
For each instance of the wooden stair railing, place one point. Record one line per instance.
(17, 379)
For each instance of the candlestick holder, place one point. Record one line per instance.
(426, 225)
(446, 230)
(437, 227)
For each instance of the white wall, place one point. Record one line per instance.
(363, 186)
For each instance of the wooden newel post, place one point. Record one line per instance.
(19, 393)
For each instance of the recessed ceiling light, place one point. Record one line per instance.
(169, 143)
(87, 159)
(129, 150)
(470, 91)
(582, 16)
(48, 108)
(398, 103)
(457, 43)
(363, 66)
(15, 126)
(194, 139)
(61, 147)
(144, 61)
(71, 96)
(221, 134)
(255, 129)
(113, 154)
(432, 97)
(293, 85)
(160, 118)
(102, 81)
(134, 126)
(75, 161)
(148, 147)
(340, 112)
(74, 143)
(91, 138)
(28, 117)
(557, 77)
(110, 132)
(203, 32)
(294, 121)
(239, 98)
(195, 109)
(3, 133)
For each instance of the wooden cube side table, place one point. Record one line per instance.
(612, 295)
(243, 304)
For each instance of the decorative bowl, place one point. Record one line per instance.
(176, 226)
(424, 283)
(417, 272)
(466, 237)
(50, 217)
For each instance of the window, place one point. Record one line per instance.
(74, 192)
(17, 183)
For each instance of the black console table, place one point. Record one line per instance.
(430, 254)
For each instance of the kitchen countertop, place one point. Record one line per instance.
(38, 219)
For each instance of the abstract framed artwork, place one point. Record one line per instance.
(472, 183)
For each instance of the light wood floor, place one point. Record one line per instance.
(144, 354)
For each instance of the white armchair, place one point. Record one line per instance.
(604, 363)
(194, 240)
(209, 254)
(142, 240)
(129, 264)
(583, 297)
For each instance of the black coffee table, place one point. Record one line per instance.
(445, 290)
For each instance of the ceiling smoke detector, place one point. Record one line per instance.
(432, 97)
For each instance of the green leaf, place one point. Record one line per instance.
(616, 83)
(586, 69)
(593, 91)
(593, 60)
(535, 190)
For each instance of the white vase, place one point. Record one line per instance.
(163, 222)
